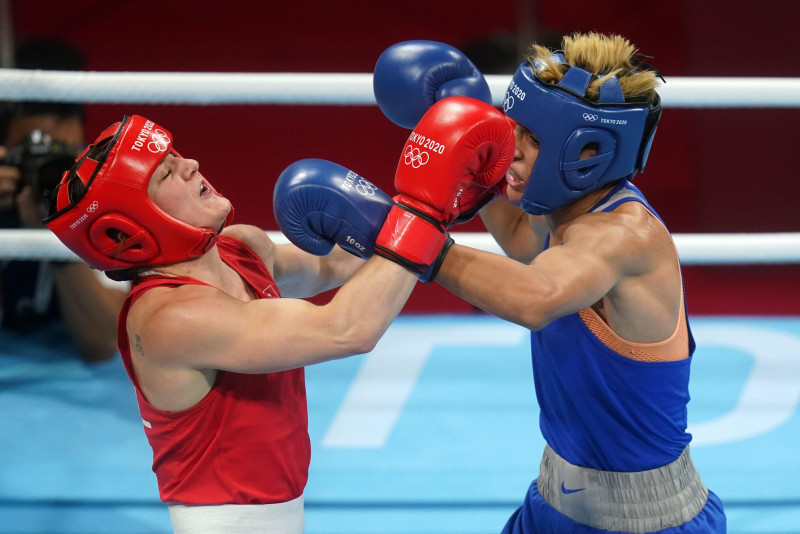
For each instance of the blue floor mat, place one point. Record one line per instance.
(434, 432)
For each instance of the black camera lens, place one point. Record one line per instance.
(41, 161)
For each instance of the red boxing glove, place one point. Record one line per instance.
(454, 159)
(450, 166)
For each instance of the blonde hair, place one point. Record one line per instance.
(602, 55)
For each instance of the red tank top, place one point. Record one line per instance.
(247, 441)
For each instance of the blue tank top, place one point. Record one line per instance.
(600, 409)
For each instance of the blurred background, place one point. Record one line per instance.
(456, 452)
(710, 170)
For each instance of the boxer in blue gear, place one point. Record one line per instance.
(592, 271)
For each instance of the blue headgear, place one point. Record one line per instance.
(565, 122)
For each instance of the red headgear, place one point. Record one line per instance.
(117, 201)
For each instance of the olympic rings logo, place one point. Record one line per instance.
(589, 117)
(508, 102)
(159, 143)
(91, 208)
(414, 157)
(365, 187)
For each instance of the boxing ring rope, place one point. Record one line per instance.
(333, 88)
(694, 249)
(356, 89)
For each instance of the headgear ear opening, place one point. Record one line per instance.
(581, 174)
(138, 245)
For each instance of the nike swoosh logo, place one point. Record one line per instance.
(566, 491)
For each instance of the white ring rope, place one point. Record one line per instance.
(694, 249)
(335, 88)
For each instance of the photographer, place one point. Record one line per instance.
(38, 142)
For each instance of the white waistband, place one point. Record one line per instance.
(278, 518)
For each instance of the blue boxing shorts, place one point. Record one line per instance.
(536, 516)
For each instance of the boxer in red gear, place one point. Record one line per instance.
(215, 354)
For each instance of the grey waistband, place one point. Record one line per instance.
(638, 502)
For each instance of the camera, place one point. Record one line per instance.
(41, 161)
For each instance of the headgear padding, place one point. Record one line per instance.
(565, 122)
(116, 204)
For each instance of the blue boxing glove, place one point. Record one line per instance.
(318, 203)
(411, 76)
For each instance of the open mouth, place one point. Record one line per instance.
(514, 182)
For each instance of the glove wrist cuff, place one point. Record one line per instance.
(411, 238)
(421, 209)
(429, 275)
